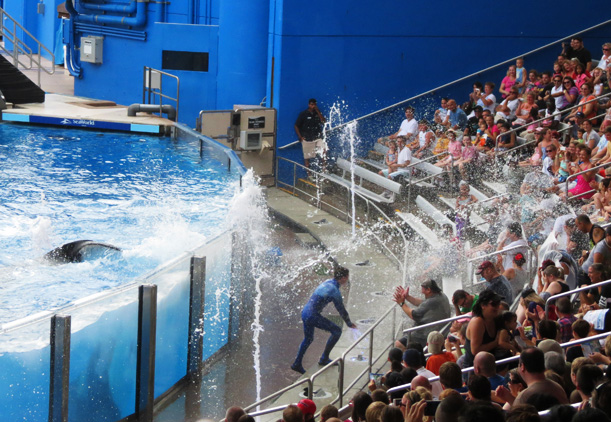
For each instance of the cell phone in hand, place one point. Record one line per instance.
(431, 407)
(396, 402)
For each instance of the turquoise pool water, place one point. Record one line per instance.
(151, 196)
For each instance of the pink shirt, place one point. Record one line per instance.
(455, 149)
(469, 152)
(508, 83)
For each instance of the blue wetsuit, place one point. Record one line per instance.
(311, 317)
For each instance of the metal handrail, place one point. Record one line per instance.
(402, 263)
(508, 360)
(152, 92)
(477, 258)
(21, 47)
(474, 74)
(570, 292)
(574, 176)
(441, 321)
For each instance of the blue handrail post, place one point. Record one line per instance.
(196, 317)
(60, 368)
(145, 365)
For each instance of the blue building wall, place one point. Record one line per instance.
(369, 56)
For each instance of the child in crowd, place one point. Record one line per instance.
(520, 75)
(483, 142)
(454, 149)
(435, 342)
(468, 156)
(390, 158)
(508, 322)
(442, 142)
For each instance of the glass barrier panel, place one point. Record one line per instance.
(103, 352)
(24, 378)
(218, 292)
(173, 285)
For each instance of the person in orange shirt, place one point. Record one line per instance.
(435, 342)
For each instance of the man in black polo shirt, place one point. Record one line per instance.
(578, 51)
(308, 127)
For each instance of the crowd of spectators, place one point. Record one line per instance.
(509, 332)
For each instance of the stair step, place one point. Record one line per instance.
(16, 87)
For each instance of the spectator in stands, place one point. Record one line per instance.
(581, 329)
(292, 413)
(581, 76)
(521, 75)
(557, 93)
(532, 369)
(601, 397)
(523, 413)
(407, 130)
(392, 414)
(495, 281)
(576, 364)
(380, 395)
(591, 415)
(441, 112)
(434, 307)
(454, 149)
(435, 343)
(532, 84)
(507, 341)
(523, 112)
(450, 377)
(516, 385)
(506, 139)
(590, 137)
(555, 362)
(442, 142)
(473, 122)
(576, 50)
(449, 408)
(468, 156)
(308, 409)
(605, 60)
(569, 94)
(403, 160)
(565, 319)
(544, 89)
(598, 84)
(601, 254)
(588, 377)
(360, 402)
(479, 389)
(456, 118)
(475, 94)
(390, 158)
(484, 364)
(591, 299)
(374, 411)
(463, 301)
(482, 333)
(243, 418)
(412, 359)
(506, 110)
(481, 412)
(512, 241)
(587, 104)
(327, 412)
(552, 282)
(508, 82)
(425, 140)
(486, 99)
(234, 413)
(603, 149)
(492, 129)
(594, 231)
(517, 276)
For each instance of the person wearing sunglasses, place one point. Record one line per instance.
(482, 332)
(605, 60)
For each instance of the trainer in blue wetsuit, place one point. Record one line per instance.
(311, 317)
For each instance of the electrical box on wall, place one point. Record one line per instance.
(92, 49)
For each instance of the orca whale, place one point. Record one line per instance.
(78, 251)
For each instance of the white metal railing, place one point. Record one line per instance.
(529, 253)
(571, 292)
(370, 208)
(20, 48)
(152, 88)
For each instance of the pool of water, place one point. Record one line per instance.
(151, 196)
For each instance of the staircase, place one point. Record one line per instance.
(16, 87)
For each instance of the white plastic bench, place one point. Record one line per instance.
(419, 227)
(499, 188)
(437, 216)
(364, 174)
(475, 219)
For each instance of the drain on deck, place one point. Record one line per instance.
(366, 321)
(381, 294)
(359, 358)
(365, 263)
(318, 394)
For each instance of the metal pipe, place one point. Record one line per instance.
(432, 324)
(137, 21)
(149, 108)
(573, 176)
(110, 7)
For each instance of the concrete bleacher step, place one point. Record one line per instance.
(427, 167)
(499, 188)
(440, 218)
(419, 227)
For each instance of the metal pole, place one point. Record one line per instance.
(60, 368)
(340, 381)
(196, 317)
(145, 364)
